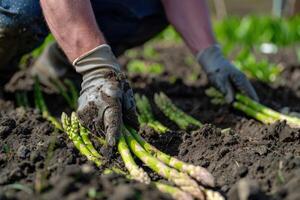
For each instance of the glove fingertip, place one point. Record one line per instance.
(229, 97)
(254, 96)
(250, 92)
(111, 138)
(112, 134)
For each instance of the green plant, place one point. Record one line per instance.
(254, 109)
(40, 104)
(197, 172)
(134, 170)
(22, 99)
(247, 35)
(72, 128)
(140, 66)
(182, 119)
(261, 70)
(161, 163)
(68, 91)
(168, 35)
(146, 116)
(178, 178)
(19, 186)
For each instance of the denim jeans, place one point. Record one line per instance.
(124, 23)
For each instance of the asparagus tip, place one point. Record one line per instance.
(202, 175)
(213, 195)
(140, 175)
(186, 184)
(181, 195)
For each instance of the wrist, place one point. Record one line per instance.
(210, 58)
(96, 59)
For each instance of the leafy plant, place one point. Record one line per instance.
(140, 66)
(261, 70)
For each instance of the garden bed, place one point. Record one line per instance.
(45, 164)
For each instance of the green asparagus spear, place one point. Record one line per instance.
(42, 107)
(180, 179)
(197, 172)
(71, 127)
(182, 119)
(146, 115)
(293, 121)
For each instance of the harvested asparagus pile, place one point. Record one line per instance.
(184, 176)
(146, 116)
(253, 109)
(182, 119)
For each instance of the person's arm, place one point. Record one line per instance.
(191, 19)
(73, 24)
(106, 98)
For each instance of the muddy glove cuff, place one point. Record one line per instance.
(223, 75)
(97, 58)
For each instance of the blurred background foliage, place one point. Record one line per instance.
(246, 36)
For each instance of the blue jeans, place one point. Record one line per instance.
(124, 23)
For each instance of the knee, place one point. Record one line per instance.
(22, 22)
(21, 14)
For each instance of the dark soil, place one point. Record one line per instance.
(39, 159)
(260, 161)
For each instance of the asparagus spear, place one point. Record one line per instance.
(63, 91)
(84, 134)
(182, 119)
(253, 113)
(140, 175)
(135, 171)
(42, 107)
(254, 109)
(22, 99)
(175, 192)
(71, 127)
(180, 179)
(74, 94)
(293, 121)
(197, 172)
(146, 115)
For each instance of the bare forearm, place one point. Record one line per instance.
(191, 19)
(73, 24)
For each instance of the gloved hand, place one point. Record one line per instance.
(223, 75)
(106, 98)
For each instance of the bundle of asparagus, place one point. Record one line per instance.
(177, 172)
(183, 175)
(253, 109)
(79, 136)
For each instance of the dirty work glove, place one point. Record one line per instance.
(106, 98)
(223, 75)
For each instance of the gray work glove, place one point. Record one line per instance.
(106, 98)
(223, 75)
